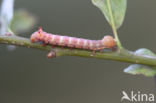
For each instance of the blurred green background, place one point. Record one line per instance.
(27, 76)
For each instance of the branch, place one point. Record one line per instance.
(122, 55)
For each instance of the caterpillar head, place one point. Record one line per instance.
(108, 41)
(36, 36)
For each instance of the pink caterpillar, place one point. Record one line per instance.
(72, 42)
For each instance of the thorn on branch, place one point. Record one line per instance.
(51, 54)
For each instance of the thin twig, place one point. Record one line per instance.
(123, 55)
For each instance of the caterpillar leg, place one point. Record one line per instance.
(71, 48)
(101, 51)
(43, 44)
(52, 46)
(114, 48)
(62, 47)
(93, 52)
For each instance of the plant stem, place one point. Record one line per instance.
(113, 25)
(123, 55)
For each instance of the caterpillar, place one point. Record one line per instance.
(72, 42)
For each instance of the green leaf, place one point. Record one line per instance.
(22, 21)
(6, 15)
(141, 69)
(148, 71)
(112, 9)
(144, 51)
